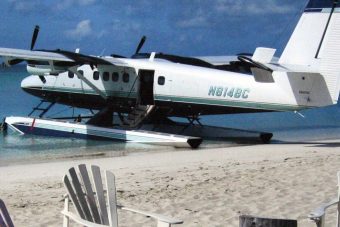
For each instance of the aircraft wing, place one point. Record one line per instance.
(218, 60)
(61, 57)
(27, 55)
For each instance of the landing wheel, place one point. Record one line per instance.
(195, 142)
(266, 137)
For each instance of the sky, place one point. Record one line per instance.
(184, 27)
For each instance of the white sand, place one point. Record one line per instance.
(209, 187)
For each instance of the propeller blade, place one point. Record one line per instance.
(35, 36)
(14, 62)
(140, 45)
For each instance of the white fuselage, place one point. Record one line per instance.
(306, 75)
(203, 90)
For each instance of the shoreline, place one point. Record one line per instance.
(205, 187)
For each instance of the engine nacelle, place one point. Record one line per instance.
(44, 69)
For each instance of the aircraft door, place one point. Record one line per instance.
(146, 80)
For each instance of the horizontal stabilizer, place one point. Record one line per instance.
(262, 76)
(263, 55)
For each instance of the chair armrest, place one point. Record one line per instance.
(81, 221)
(158, 217)
(320, 211)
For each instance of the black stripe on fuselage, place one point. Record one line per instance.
(123, 105)
(86, 101)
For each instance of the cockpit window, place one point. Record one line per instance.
(70, 74)
(96, 75)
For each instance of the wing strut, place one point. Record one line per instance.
(89, 83)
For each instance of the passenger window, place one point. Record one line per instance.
(161, 80)
(70, 74)
(126, 77)
(96, 75)
(115, 76)
(106, 76)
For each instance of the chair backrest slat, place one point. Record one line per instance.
(5, 219)
(73, 196)
(98, 184)
(89, 193)
(111, 197)
(80, 194)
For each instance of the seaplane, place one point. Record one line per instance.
(136, 98)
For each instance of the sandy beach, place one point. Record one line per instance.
(206, 187)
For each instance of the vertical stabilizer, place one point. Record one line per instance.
(315, 42)
(330, 57)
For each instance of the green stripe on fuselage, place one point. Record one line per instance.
(191, 100)
(121, 94)
(230, 103)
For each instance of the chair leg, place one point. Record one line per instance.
(338, 216)
(66, 208)
(338, 213)
(321, 223)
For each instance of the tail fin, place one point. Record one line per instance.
(316, 42)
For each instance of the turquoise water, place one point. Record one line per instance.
(12, 99)
(29, 149)
(15, 148)
(322, 123)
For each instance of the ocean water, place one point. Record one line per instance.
(15, 148)
(315, 124)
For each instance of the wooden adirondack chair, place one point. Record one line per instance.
(318, 215)
(95, 206)
(5, 219)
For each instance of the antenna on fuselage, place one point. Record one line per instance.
(34, 39)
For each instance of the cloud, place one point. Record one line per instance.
(194, 18)
(24, 6)
(102, 33)
(196, 21)
(124, 27)
(65, 4)
(86, 2)
(211, 14)
(83, 29)
(239, 7)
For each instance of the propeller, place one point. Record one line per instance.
(34, 39)
(35, 36)
(136, 54)
(140, 45)
(14, 62)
